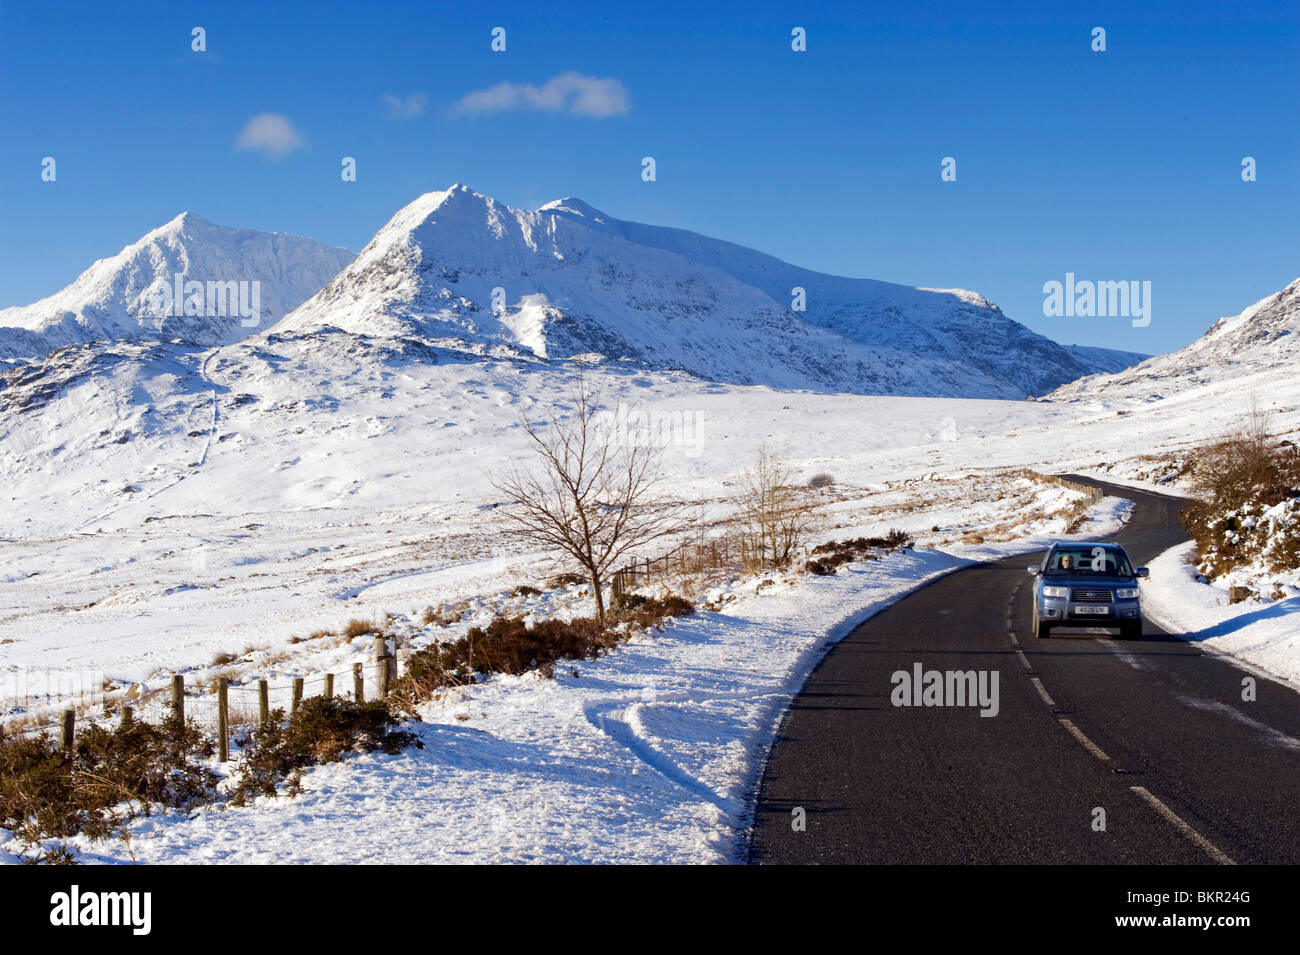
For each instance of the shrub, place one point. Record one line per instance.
(444, 615)
(109, 776)
(653, 611)
(321, 730)
(317, 635)
(1075, 514)
(565, 580)
(54, 855)
(829, 557)
(1240, 514)
(37, 798)
(359, 628)
(625, 600)
(821, 480)
(509, 645)
(524, 590)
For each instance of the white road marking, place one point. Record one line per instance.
(1042, 690)
(1087, 744)
(1213, 851)
(1123, 654)
(1275, 736)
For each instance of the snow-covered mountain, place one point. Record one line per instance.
(132, 296)
(459, 270)
(1251, 349)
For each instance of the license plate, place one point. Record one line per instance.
(1091, 611)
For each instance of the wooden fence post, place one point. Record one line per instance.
(358, 683)
(297, 693)
(223, 719)
(128, 715)
(178, 697)
(381, 657)
(263, 702)
(67, 721)
(329, 685)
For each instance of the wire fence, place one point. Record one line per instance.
(224, 709)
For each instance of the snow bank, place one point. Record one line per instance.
(1266, 635)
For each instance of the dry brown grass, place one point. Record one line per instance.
(316, 635)
(359, 628)
(444, 615)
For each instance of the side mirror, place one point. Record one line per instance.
(1032, 570)
(1141, 572)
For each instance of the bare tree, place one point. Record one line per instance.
(774, 515)
(593, 495)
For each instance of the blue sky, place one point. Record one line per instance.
(1122, 165)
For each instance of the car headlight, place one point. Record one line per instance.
(1056, 591)
(1126, 593)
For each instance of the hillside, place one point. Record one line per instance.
(125, 297)
(572, 280)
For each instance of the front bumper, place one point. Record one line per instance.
(1064, 610)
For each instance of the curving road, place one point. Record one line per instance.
(1155, 734)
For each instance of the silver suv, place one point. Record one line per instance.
(1087, 585)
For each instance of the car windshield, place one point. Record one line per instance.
(1101, 561)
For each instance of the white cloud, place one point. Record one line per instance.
(567, 92)
(270, 134)
(399, 108)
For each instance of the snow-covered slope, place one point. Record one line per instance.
(117, 298)
(571, 280)
(1253, 351)
(1105, 360)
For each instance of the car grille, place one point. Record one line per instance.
(1093, 596)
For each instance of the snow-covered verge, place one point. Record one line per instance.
(1266, 635)
(650, 754)
(1260, 545)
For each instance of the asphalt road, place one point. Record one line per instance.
(1153, 733)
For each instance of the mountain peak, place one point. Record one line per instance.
(117, 298)
(1261, 342)
(574, 207)
(186, 220)
(457, 198)
(474, 275)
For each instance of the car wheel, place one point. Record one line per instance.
(1044, 630)
(1130, 631)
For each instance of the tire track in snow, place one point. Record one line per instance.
(612, 718)
(602, 717)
